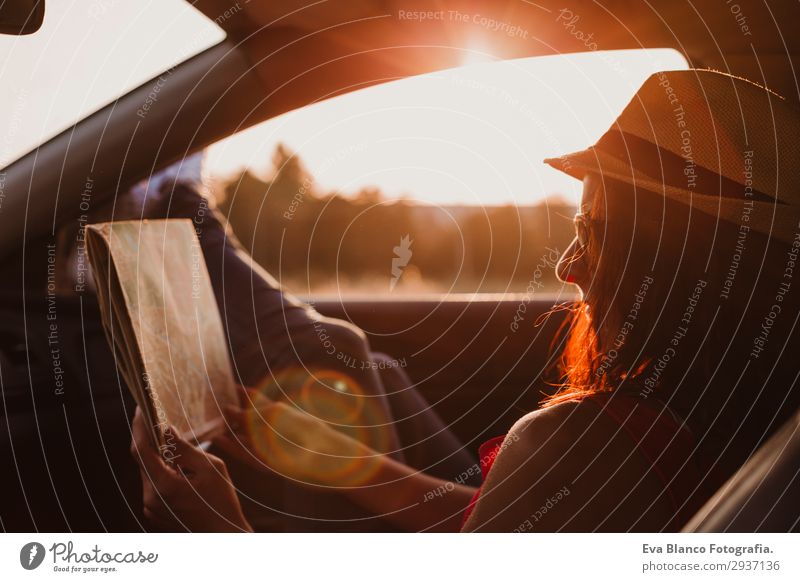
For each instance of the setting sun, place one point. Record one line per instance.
(477, 53)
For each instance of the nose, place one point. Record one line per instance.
(571, 267)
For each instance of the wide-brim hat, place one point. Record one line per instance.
(721, 144)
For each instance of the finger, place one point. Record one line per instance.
(190, 459)
(234, 418)
(142, 447)
(181, 448)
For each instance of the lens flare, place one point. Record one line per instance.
(317, 431)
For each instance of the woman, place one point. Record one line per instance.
(673, 366)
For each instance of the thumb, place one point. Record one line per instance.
(177, 449)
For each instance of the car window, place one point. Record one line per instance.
(433, 184)
(86, 55)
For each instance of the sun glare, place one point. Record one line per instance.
(476, 53)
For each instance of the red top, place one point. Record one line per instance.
(665, 443)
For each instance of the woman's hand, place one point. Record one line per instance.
(278, 437)
(190, 490)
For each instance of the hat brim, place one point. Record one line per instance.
(773, 219)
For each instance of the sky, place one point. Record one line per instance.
(472, 135)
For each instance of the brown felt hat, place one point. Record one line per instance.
(721, 144)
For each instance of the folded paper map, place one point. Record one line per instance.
(162, 322)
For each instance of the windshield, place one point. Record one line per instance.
(86, 55)
(440, 173)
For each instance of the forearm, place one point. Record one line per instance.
(310, 451)
(411, 499)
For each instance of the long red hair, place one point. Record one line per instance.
(675, 301)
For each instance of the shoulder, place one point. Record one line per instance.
(573, 452)
(565, 413)
(557, 426)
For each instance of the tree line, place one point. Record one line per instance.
(316, 241)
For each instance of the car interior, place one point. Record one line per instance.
(65, 452)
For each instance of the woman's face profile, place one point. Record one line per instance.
(573, 266)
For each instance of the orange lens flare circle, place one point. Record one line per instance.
(333, 397)
(289, 441)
